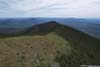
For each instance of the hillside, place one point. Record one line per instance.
(32, 51)
(49, 45)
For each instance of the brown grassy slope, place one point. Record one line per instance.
(32, 51)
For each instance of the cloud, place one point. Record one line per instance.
(49, 8)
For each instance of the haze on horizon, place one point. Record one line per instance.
(50, 8)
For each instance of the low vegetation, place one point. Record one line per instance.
(32, 51)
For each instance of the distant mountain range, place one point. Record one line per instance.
(16, 25)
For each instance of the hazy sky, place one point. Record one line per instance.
(50, 8)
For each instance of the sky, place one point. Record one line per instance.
(50, 8)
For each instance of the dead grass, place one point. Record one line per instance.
(32, 51)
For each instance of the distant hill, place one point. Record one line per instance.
(49, 44)
(16, 25)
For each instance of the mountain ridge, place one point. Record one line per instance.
(53, 24)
